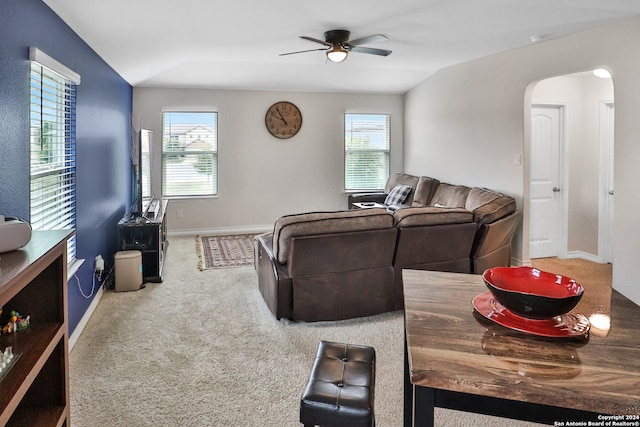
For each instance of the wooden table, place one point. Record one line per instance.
(455, 358)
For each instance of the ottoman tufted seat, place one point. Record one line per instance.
(340, 391)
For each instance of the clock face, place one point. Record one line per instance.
(283, 120)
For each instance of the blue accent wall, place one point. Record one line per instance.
(103, 134)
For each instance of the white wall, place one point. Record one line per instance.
(261, 177)
(466, 123)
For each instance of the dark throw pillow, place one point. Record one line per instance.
(398, 195)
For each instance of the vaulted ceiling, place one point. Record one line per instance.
(236, 45)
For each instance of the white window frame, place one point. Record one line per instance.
(375, 128)
(52, 89)
(178, 181)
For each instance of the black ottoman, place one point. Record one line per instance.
(340, 391)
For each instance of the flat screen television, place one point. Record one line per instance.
(141, 172)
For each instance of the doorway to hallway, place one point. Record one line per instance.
(571, 197)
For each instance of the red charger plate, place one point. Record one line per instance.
(568, 325)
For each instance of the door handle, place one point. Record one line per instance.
(611, 192)
(556, 190)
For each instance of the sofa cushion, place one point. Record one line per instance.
(424, 191)
(312, 223)
(450, 196)
(480, 196)
(398, 195)
(404, 179)
(489, 206)
(429, 215)
(396, 178)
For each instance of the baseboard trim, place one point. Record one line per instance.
(85, 319)
(251, 229)
(585, 256)
(569, 255)
(518, 262)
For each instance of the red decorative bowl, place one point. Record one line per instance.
(532, 293)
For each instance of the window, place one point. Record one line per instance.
(189, 154)
(53, 146)
(366, 151)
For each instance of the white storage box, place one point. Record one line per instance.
(128, 270)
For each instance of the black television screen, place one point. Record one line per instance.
(146, 144)
(141, 171)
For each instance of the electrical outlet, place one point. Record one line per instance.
(180, 214)
(99, 267)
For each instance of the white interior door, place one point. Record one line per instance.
(545, 186)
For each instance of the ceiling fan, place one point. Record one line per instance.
(337, 45)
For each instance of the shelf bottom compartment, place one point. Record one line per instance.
(37, 379)
(40, 416)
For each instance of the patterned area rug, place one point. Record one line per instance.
(224, 251)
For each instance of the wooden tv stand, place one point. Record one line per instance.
(33, 281)
(148, 234)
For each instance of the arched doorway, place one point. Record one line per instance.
(571, 168)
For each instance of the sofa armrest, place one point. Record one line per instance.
(492, 245)
(501, 207)
(274, 283)
(378, 197)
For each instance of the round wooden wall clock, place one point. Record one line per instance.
(283, 120)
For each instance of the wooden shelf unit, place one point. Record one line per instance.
(33, 281)
(148, 234)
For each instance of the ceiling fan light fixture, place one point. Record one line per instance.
(337, 54)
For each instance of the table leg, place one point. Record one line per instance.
(419, 402)
(408, 389)
(424, 404)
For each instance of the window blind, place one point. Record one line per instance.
(189, 154)
(367, 145)
(52, 152)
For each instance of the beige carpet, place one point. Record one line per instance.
(185, 353)
(224, 251)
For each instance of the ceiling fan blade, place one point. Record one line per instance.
(311, 39)
(301, 51)
(370, 50)
(369, 39)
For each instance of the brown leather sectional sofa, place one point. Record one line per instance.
(345, 264)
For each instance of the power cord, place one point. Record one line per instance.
(93, 286)
(97, 274)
